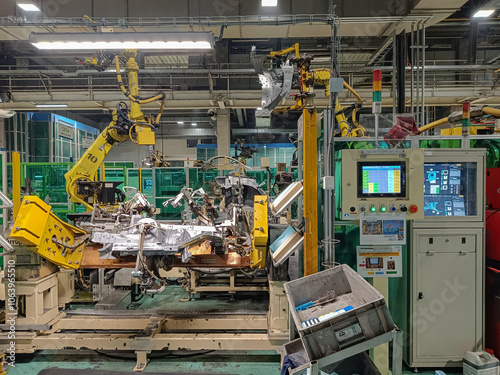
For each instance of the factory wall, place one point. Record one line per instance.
(128, 151)
(174, 149)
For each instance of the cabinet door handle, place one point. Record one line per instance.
(431, 252)
(463, 252)
(420, 295)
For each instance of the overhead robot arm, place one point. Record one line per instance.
(81, 184)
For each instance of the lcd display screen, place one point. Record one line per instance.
(381, 179)
(449, 189)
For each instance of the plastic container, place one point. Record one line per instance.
(358, 364)
(369, 317)
(481, 363)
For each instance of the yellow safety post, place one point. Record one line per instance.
(16, 182)
(260, 232)
(310, 194)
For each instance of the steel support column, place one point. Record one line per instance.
(401, 58)
(223, 132)
(473, 37)
(16, 181)
(310, 195)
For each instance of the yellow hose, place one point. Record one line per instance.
(491, 111)
(152, 99)
(119, 76)
(432, 125)
(130, 134)
(356, 95)
(495, 112)
(355, 111)
(160, 112)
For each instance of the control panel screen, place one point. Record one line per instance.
(450, 189)
(381, 179)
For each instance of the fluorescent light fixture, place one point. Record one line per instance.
(180, 122)
(269, 3)
(129, 40)
(194, 123)
(51, 105)
(483, 13)
(28, 7)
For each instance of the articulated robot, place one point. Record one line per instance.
(128, 121)
(278, 82)
(224, 235)
(214, 239)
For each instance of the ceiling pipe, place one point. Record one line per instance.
(155, 72)
(154, 23)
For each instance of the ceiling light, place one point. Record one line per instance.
(28, 7)
(180, 122)
(269, 3)
(51, 105)
(194, 123)
(483, 13)
(128, 40)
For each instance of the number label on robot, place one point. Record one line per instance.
(92, 158)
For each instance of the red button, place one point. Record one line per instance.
(413, 209)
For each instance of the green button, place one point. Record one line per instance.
(373, 209)
(383, 208)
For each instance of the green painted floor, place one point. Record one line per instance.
(244, 363)
(264, 363)
(237, 363)
(171, 299)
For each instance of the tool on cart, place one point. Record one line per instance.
(322, 318)
(329, 297)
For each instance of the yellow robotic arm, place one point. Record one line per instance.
(126, 121)
(322, 77)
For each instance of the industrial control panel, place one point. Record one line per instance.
(446, 251)
(453, 186)
(382, 181)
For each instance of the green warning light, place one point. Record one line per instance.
(373, 208)
(383, 208)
